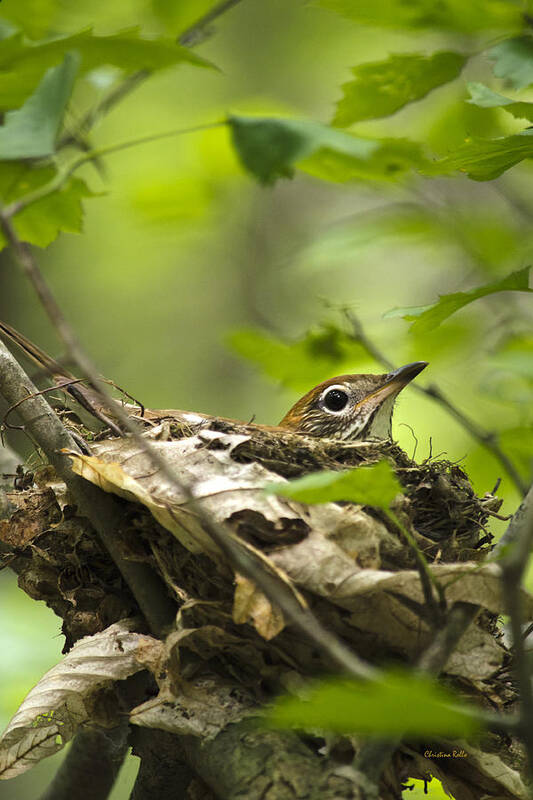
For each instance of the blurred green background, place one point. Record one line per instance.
(181, 249)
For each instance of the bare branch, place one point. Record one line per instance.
(513, 553)
(200, 30)
(104, 511)
(92, 762)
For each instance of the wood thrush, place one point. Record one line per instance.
(351, 407)
(347, 407)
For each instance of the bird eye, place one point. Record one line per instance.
(335, 400)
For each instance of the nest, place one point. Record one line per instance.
(351, 563)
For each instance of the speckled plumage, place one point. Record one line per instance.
(368, 411)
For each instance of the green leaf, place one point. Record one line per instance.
(31, 131)
(482, 96)
(382, 87)
(41, 222)
(271, 148)
(513, 61)
(302, 364)
(485, 159)
(400, 703)
(455, 15)
(425, 318)
(376, 485)
(22, 63)
(389, 161)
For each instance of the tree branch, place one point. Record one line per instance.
(103, 511)
(513, 553)
(92, 762)
(199, 31)
(489, 439)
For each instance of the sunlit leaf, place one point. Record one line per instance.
(302, 364)
(376, 485)
(31, 131)
(380, 88)
(425, 318)
(41, 222)
(485, 159)
(453, 15)
(271, 148)
(398, 704)
(22, 64)
(513, 60)
(482, 96)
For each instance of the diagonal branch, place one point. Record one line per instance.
(200, 30)
(104, 512)
(489, 439)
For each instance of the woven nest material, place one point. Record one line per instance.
(350, 563)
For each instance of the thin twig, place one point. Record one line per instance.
(115, 95)
(489, 439)
(427, 579)
(199, 31)
(62, 176)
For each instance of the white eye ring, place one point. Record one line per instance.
(338, 397)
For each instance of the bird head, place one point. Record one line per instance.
(351, 407)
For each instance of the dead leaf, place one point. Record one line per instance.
(203, 708)
(54, 709)
(249, 603)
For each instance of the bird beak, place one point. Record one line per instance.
(396, 381)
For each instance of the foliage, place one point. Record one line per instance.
(322, 353)
(397, 704)
(31, 131)
(382, 88)
(376, 485)
(448, 15)
(425, 318)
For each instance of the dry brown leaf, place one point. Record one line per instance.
(464, 582)
(55, 708)
(231, 492)
(249, 603)
(202, 709)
